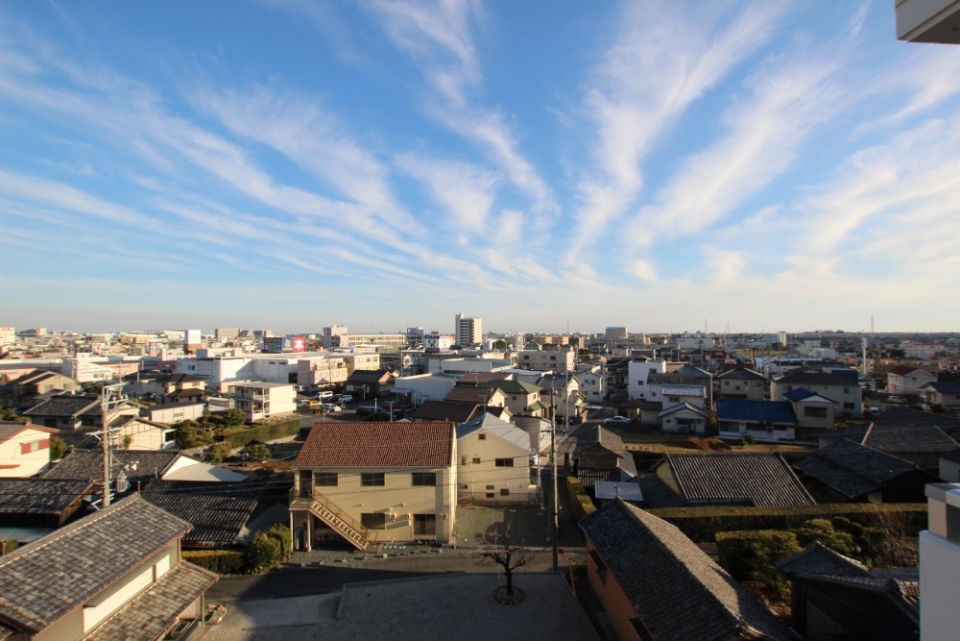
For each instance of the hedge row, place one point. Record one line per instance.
(580, 501)
(267, 549)
(219, 561)
(263, 433)
(702, 523)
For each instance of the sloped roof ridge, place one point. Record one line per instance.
(819, 549)
(717, 601)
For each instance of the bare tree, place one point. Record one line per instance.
(497, 550)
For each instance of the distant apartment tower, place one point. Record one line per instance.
(469, 331)
(226, 333)
(615, 333)
(330, 332)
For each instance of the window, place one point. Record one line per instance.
(674, 399)
(374, 520)
(35, 446)
(372, 479)
(476, 460)
(489, 487)
(504, 462)
(601, 566)
(848, 406)
(169, 437)
(815, 412)
(326, 479)
(846, 390)
(482, 437)
(424, 478)
(504, 491)
(464, 486)
(424, 524)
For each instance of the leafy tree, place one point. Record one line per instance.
(127, 442)
(259, 452)
(218, 451)
(9, 414)
(281, 533)
(234, 418)
(58, 448)
(264, 553)
(500, 344)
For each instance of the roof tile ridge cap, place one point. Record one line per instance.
(866, 435)
(714, 599)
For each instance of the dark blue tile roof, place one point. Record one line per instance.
(743, 410)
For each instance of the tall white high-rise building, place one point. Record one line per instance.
(469, 331)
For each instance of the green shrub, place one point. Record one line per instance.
(580, 501)
(220, 450)
(227, 562)
(242, 436)
(752, 555)
(258, 452)
(281, 533)
(264, 553)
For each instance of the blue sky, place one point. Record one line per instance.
(287, 164)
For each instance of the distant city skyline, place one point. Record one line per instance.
(765, 166)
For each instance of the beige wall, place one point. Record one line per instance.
(11, 453)
(143, 436)
(398, 496)
(750, 390)
(483, 481)
(614, 600)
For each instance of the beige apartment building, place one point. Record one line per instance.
(375, 483)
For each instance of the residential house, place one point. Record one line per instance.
(815, 412)
(908, 379)
(835, 597)
(31, 508)
(365, 384)
(597, 454)
(767, 421)
(40, 382)
(184, 388)
(136, 433)
(476, 395)
(655, 583)
(136, 470)
(430, 411)
(742, 384)
(592, 383)
(920, 443)
(638, 372)
(836, 387)
(562, 393)
(684, 418)
(265, 400)
(372, 483)
(116, 574)
(762, 479)
(67, 411)
(685, 384)
(495, 462)
(170, 413)
(522, 399)
(617, 374)
(24, 449)
(849, 471)
(325, 370)
(945, 393)
(218, 512)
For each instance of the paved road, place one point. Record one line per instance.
(296, 581)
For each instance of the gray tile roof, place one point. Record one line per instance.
(43, 581)
(217, 511)
(742, 374)
(88, 465)
(66, 406)
(444, 411)
(679, 592)
(40, 496)
(853, 469)
(150, 614)
(755, 411)
(757, 478)
(898, 437)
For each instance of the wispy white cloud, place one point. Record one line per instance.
(646, 80)
(766, 130)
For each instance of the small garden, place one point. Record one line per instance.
(267, 549)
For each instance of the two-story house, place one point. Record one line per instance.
(264, 400)
(841, 389)
(522, 399)
(495, 462)
(742, 384)
(372, 483)
(24, 449)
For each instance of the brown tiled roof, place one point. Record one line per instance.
(758, 478)
(468, 394)
(378, 445)
(679, 592)
(150, 614)
(43, 581)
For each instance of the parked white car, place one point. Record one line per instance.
(617, 420)
(331, 407)
(324, 394)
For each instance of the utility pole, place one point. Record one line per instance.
(109, 394)
(556, 497)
